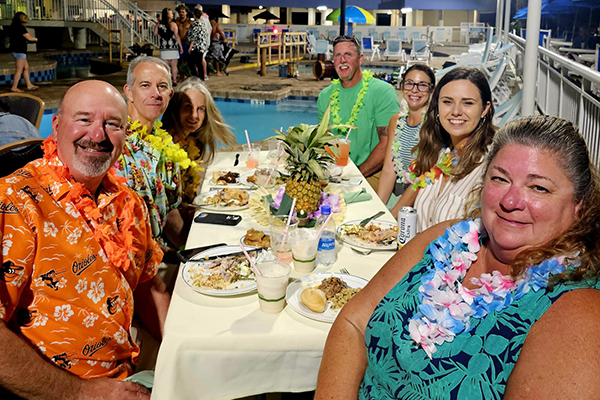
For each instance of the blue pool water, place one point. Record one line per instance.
(258, 119)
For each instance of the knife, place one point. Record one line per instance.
(228, 255)
(237, 160)
(367, 220)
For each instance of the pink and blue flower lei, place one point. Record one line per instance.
(447, 306)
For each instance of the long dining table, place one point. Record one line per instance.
(225, 347)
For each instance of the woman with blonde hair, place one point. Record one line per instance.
(170, 42)
(18, 47)
(453, 142)
(503, 306)
(196, 124)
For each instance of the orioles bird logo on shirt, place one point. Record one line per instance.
(9, 271)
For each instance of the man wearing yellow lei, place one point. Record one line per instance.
(151, 162)
(359, 100)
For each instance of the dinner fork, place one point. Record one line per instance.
(344, 271)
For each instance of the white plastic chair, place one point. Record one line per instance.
(370, 48)
(387, 35)
(420, 51)
(508, 110)
(393, 49)
(323, 47)
(358, 35)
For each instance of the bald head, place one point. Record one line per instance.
(89, 130)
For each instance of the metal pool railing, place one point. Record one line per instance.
(564, 89)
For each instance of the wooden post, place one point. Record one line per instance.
(263, 62)
(120, 46)
(109, 42)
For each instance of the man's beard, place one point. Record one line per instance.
(92, 166)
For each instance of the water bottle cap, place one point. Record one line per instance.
(325, 210)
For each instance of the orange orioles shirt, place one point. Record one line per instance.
(70, 266)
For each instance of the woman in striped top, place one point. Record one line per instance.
(453, 142)
(418, 82)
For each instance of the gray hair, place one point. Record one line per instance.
(146, 59)
(349, 39)
(555, 135)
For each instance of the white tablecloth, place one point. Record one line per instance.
(224, 348)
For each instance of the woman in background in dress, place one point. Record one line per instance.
(453, 142)
(170, 42)
(503, 306)
(18, 47)
(418, 81)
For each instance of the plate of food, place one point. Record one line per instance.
(226, 276)
(321, 296)
(226, 199)
(225, 178)
(376, 235)
(250, 179)
(256, 238)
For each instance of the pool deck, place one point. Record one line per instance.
(243, 81)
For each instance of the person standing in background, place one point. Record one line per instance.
(183, 25)
(18, 47)
(199, 37)
(170, 42)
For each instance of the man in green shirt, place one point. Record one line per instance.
(360, 100)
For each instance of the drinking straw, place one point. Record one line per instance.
(345, 139)
(324, 224)
(248, 140)
(256, 271)
(287, 226)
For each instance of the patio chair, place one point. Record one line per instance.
(402, 34)
(331, 35)
(387, 35)
(15, 155)
(416, 35)
(255, 33)
(323, 47)
(508, 110)
(358, 35)
(420, 51)
(374, 34)
(370, 48)
(393, 49)
(25, 105)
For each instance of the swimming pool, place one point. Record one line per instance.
(258, 119)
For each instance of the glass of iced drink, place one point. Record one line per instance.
(272, 284)
(304, 249)
(343, 151)
(283, 251)
(252, 157)
(266, 176)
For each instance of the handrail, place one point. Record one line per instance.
(581, 70)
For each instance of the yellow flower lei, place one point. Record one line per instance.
(334, 99)
(161, 140)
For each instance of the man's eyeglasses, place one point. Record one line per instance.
(421, 86)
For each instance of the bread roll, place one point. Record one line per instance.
(314, 299)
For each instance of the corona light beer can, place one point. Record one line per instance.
(407, 225)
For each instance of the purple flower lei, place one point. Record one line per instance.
(327, 199)
(447, 306)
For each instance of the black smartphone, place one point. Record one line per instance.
(218, 219)
(186, 255)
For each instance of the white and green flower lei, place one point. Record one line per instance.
(334, 100)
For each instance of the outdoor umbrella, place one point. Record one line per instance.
(216, 13)
(354, 15)
(266, 15)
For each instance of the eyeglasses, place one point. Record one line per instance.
(421, 86)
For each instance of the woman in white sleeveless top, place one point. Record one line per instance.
(453, 142)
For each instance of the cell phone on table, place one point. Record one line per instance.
(218, 219)
(186, 255)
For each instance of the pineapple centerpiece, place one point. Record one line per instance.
(307, 158)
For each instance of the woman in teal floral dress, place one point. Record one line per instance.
(502, 306)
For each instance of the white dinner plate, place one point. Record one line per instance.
(200, 199)
(247, 245)
(237, 183)
(192, 268)
(371, 246)
(294, 290)
(244, 180)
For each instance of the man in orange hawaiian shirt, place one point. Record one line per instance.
(77, 249)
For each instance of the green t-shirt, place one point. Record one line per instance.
(380, 104)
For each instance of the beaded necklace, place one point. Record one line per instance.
(334, 100)
(447, 306)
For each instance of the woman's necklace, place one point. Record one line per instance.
(334, 100)
(447, 306)
(448, 161)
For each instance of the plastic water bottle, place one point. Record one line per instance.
(326, 254)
